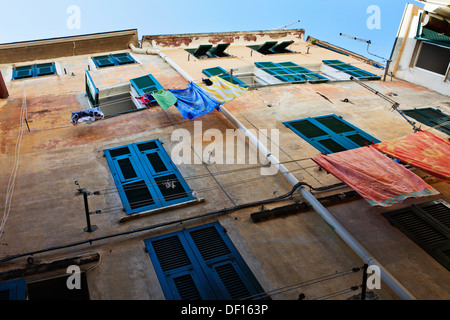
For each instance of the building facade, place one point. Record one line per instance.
(150, 205)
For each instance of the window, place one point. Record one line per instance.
(146, 85)
(207, 51)
(431, 117)
(433, 58)
(218, 71)
(351, 70)
(113, 60)
(272, 47)
(330, 133)
(428, 225)
(13, 290)
(36, 70)
(201, 263)
(145, 177)
(289, 71)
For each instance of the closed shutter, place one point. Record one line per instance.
(145, 177)
(330, 133)
(123, 58)
(201, 263)
(103, 61)
(279, 72)
(312, 77)
(23, 72)
(428, 225)
(431, 117)
(45, 69)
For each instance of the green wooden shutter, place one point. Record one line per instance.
(146, 85)
(312, 77)
(428, 225)
(123, 58)
(351, 70)
(222, 73)
(430, 117)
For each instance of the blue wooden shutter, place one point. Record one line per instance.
(351, 70)
(123, 58)
(136, 190)
(222, 264)
(23, 72)
(431, 117)
(146, 177)
(103, 61)
(201, 263)
(330, 134)
(13, 290)
(45, 69)
(169, 184)
(146, 85)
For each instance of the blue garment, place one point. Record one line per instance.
(193, 101)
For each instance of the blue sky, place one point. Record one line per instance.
(24, 20)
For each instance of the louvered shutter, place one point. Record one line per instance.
(103, 61)
(146, 85)
(179, 273)
(351, 70)
(45, 69)
(23, 72)
(202, 262)
(431, 117)
(428, 225)
(123, 58)
(224, 267)
(330, 134)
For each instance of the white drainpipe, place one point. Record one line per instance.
(345, 235)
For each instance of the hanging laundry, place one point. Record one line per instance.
(222, 90)
(193, 101)
(164, 98)
(88, 115)
(377, 178)
(422, 150)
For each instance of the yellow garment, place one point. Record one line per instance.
(222, 90)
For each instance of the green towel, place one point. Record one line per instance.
(164, 98)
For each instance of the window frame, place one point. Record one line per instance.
(202, 269)
(143, 170)
(17, 289)
(113, 60)
(339, 138)
(33, 71)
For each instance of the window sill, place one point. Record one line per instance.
(158, 210)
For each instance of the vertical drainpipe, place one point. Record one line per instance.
(3, 90)
(386, 277)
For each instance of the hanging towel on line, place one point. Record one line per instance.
(222, 90)
(88, 115)
(194, 102)
(377, 178)
(164, 98)
(422, 150)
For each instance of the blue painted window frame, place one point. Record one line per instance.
(17, 289)
(351, 70)
(225, 75)
(289, 72)
(202, 268)
(113, 60)
(33, 71)
(339, 138)
(145, 177)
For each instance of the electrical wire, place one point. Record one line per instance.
(12, 178)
